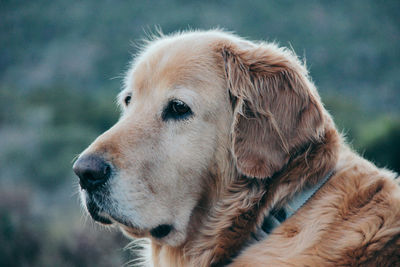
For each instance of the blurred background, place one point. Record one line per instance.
(61, 64)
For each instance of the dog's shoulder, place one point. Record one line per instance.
(370, 208)
(353, 220)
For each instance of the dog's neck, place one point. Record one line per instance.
(220, 231)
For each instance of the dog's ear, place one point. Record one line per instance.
(276, 107)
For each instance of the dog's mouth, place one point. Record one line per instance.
(101, 216)
(95, 211)
(99, 212)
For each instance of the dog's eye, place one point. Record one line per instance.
(127, 100)
(176, 110)
(179, 108)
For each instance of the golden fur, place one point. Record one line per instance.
(259, 135)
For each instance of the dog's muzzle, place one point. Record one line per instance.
(93, 172)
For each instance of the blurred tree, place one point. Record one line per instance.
(385, 149)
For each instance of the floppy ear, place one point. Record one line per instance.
(277, 109)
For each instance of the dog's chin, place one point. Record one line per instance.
(163, 233)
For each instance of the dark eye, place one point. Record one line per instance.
(179, 108)
(127, 100)
(176, 110)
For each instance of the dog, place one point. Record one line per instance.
(217, 134)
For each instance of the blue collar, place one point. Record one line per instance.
(277, 216)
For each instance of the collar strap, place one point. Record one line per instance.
(277, 216)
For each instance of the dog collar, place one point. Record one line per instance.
(277, 216)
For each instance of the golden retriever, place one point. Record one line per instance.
(216, 133)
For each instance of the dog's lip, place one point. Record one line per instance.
(161, 231)
(158, 233)
(95, 211)
(100, 215)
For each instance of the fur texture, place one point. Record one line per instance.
(259, 133)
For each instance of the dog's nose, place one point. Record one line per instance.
(92, 171)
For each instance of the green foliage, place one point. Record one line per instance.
(26, 238)
(57, 124)
(383, 147)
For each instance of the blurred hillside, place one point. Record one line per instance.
(61, 64)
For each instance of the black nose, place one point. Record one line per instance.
(92, 171)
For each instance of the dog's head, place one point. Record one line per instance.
(196, 106)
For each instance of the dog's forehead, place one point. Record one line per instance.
(170, 63)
